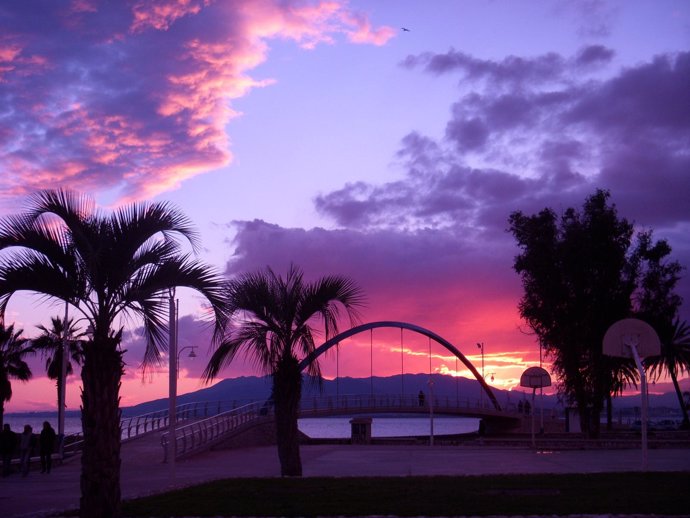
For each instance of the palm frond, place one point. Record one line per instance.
(13, 350)
(675, 354)
(272, 317)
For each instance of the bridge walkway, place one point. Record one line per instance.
(202, 435)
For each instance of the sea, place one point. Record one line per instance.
(385, 425)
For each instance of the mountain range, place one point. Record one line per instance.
(253, 388)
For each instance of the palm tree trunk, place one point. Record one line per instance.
(287, 392)
(686, 422)
(100, 461)
(609, 412)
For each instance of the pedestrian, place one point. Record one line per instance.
(520, 407)
(25, 440)
(8, 443)
(421, 398)
(46, 444)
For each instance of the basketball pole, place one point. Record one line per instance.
(643, 395)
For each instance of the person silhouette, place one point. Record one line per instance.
(46, 443)
(25, 443)
(421, 398)
(8, 443)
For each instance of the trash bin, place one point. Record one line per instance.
(360, 430)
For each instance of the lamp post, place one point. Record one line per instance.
(172, 378)
(191, 354)
(431, 411)
(480, 345)
(63, 384)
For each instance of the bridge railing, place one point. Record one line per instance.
(200, 434)
(367, 402)
(135, 426)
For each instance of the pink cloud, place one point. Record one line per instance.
(136, 97)
(162, 15)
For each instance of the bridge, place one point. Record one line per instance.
(205, 425)
(204, 434)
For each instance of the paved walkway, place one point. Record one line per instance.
(143, 471)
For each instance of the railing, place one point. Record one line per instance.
(135, 426)
(201, 434)
(393, 403)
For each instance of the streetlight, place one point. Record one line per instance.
(191, 354)
(63, 383)
(480, 345)
(172, 379)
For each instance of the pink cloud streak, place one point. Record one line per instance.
(136, 97)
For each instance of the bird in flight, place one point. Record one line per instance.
(405, 29)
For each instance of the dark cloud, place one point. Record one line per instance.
(511, 71)
(594, 55)
(644, 100)
(468, 134)
(539, 146)
(431, 277)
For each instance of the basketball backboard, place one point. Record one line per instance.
(631, 332)
(535, 377)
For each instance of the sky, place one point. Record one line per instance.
(320, 133)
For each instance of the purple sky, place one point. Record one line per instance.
(320, 133)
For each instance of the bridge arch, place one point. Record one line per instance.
(411, 327)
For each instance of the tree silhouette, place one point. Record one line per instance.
(273, 319)
(674, 360)
(580, 274)
(103, 266)
(50, 344)
(13, 350)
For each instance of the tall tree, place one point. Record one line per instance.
(580, 274)
(51, 346)
(674, 360)
(13, 350)
(104, 266)
(274, 319)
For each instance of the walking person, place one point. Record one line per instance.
(46, 444)
(8, 443)
(25, 440)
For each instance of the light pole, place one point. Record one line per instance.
(172, 378)
(480, 345)
(191, 354)
(63, 383)
(431, 411)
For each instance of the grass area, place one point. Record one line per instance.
(617, 493)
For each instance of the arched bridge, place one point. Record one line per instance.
(206, 433)
(411, 327)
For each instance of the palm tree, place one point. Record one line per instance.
(50, 345)
(273, 319)
(104, 267)
(674, 360)
(622, 373)
(12, 365)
